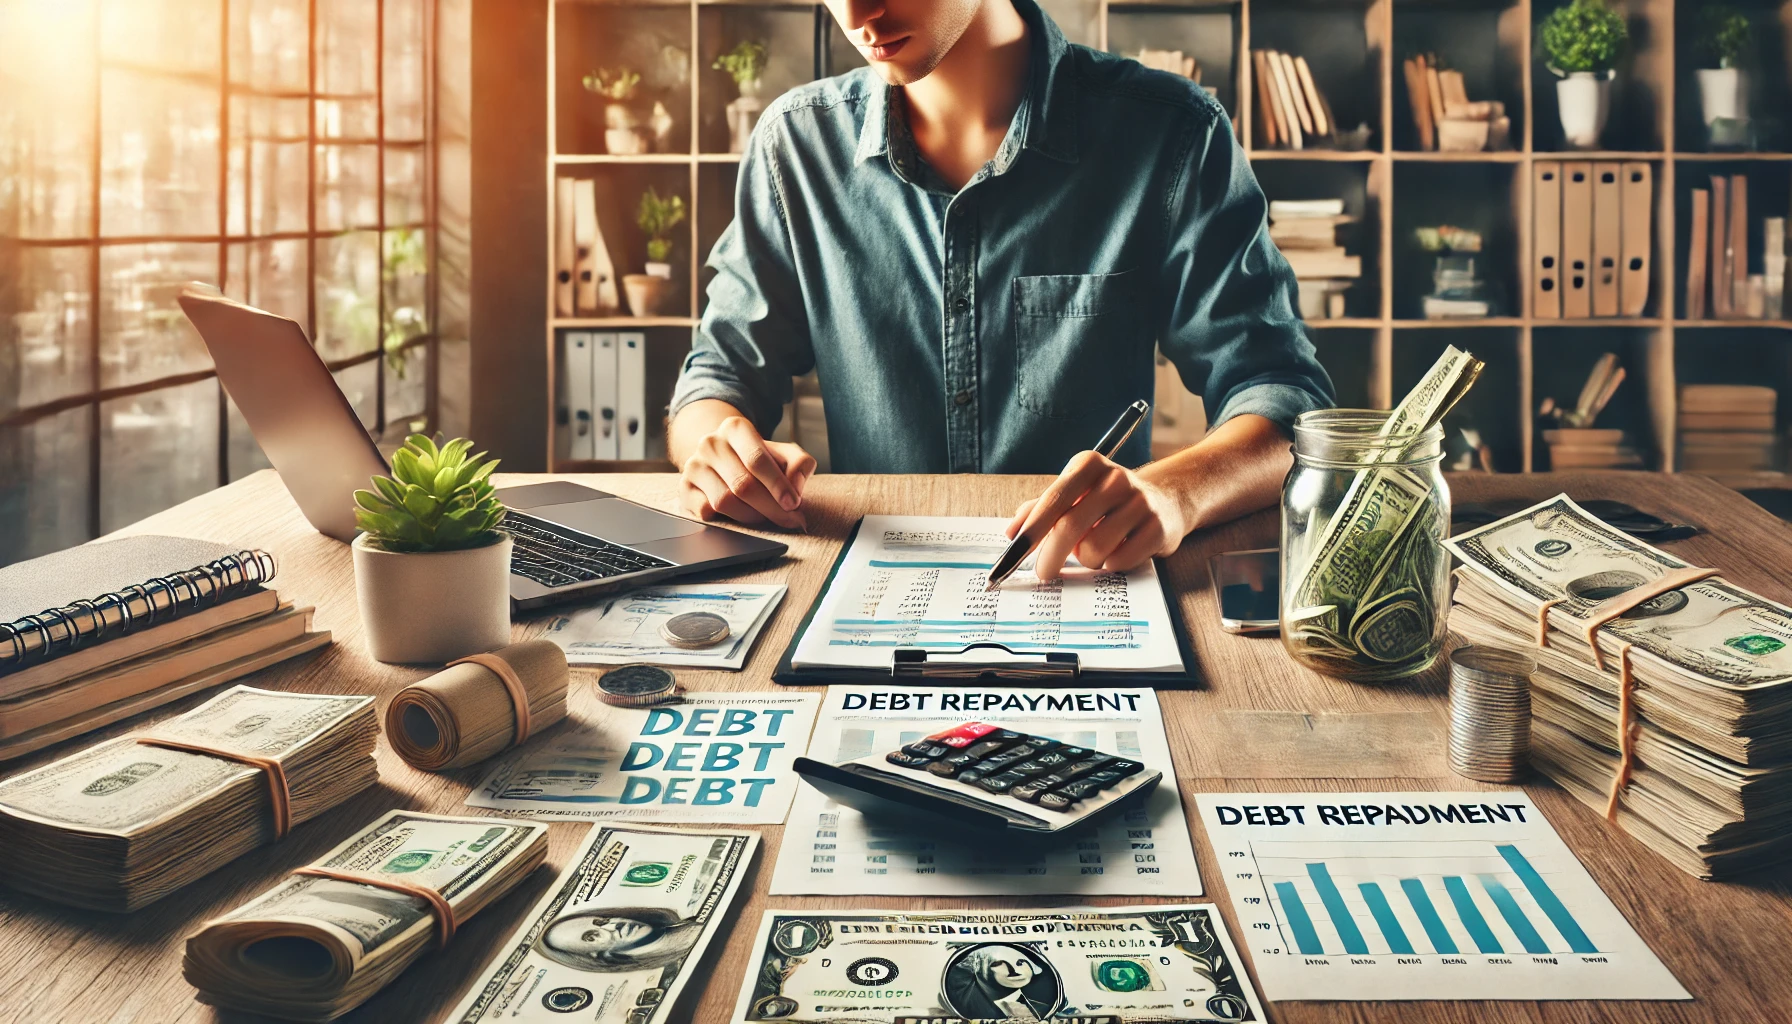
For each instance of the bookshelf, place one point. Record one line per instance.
(1382, 343)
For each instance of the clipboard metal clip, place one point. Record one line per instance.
(985, 661)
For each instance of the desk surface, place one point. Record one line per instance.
(1726, 943)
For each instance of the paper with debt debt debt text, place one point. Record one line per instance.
(920, 582)
(832, 849)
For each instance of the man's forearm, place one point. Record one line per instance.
(693, 423)
(1236, 469)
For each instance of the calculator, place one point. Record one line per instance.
(988, 777)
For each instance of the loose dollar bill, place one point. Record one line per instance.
(362, 934)
(1113, 965)
(617, 937)
(1709, 784)
(123, 823)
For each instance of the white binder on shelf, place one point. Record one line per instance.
(631, 395)
(603, 395)
(575, 391)
(595, 284)
(565, 254)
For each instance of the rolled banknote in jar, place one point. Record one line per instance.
(479, 706)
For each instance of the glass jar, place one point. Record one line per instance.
(1365, 578)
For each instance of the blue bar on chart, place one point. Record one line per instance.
(1546, 899)
(1470, 916)
(1514, 915)
(1305, 938)
(1441, 942)
(1334, 906)
(1384, 917)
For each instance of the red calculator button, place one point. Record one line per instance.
(963, 735)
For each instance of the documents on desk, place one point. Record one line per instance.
(619, 934)
(627, 628)
(716, 757)
(835, 850)
(1421, 896)
(1111, 965)
(918, 582)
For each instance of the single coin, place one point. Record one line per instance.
(695, 629)
(633, 686)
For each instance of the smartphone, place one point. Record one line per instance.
(1248, 585)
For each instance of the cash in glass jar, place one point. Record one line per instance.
(1365, 578)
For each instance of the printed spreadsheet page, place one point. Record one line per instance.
(918, 582)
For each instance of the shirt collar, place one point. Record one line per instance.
(1044, 123)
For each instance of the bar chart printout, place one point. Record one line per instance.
(1421, 896)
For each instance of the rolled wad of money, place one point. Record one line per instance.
(469, 711)
(1490, 713)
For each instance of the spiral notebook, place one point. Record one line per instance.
(92, 593)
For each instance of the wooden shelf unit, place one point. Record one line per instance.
(1376, 351)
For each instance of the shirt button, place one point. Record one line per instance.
(962, 398)
(961, 303)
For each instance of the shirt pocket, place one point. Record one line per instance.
(1073, 336)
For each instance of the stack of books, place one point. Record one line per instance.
(1717, 266)
(100, 632)
(1727, 428)
(1306, 230)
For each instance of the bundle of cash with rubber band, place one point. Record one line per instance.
(1680, 729)
(330, 935)
(126, 822)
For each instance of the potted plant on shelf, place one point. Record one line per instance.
(1581, 43)
(657, 217)
(626, 130)
(432, 568)
(1723, 87)
(746, 65)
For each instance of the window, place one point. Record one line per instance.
(280, 149)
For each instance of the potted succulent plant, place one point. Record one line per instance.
(746, 65)
(626, 129)
(1722, 46)
(1581, 42)
(657, 217)
(432, 568)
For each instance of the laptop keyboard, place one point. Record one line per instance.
(553, 560)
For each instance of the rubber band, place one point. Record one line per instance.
(519, 695)
(1628, 731)
(278, 791)
(438, 904)
(1543, 621)
(1617, 605)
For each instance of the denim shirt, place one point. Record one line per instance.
(1001, 328)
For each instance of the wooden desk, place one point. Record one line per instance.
(1726, 943)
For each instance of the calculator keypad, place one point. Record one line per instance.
(1046, 772)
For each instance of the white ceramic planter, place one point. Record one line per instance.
(1584, 100)
(1723, 92)
(433, 606)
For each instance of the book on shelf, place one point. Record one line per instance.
(1291, 110)
(1698, 244)
(106, 630)
(1317, 263)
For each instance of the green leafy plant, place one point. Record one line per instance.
(437, 499)
(657, 217)
(1723, 36)
(1585, 35)
(744, 63)
(617, 84)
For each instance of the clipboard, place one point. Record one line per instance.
(988, 663)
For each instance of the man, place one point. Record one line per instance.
(976, 242)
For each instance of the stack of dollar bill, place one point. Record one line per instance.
(1710, 786)
(1367, 581)
(314, 948)
(122, 824)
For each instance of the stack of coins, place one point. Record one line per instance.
(1490, 713)
(695, 629)
(637, 686)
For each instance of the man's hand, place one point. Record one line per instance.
(733, 472)
(1110, 517)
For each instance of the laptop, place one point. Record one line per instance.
(572, 541)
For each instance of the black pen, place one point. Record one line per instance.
(1022, 545)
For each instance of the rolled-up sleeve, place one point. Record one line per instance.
(1228, 305)
(754, 335)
